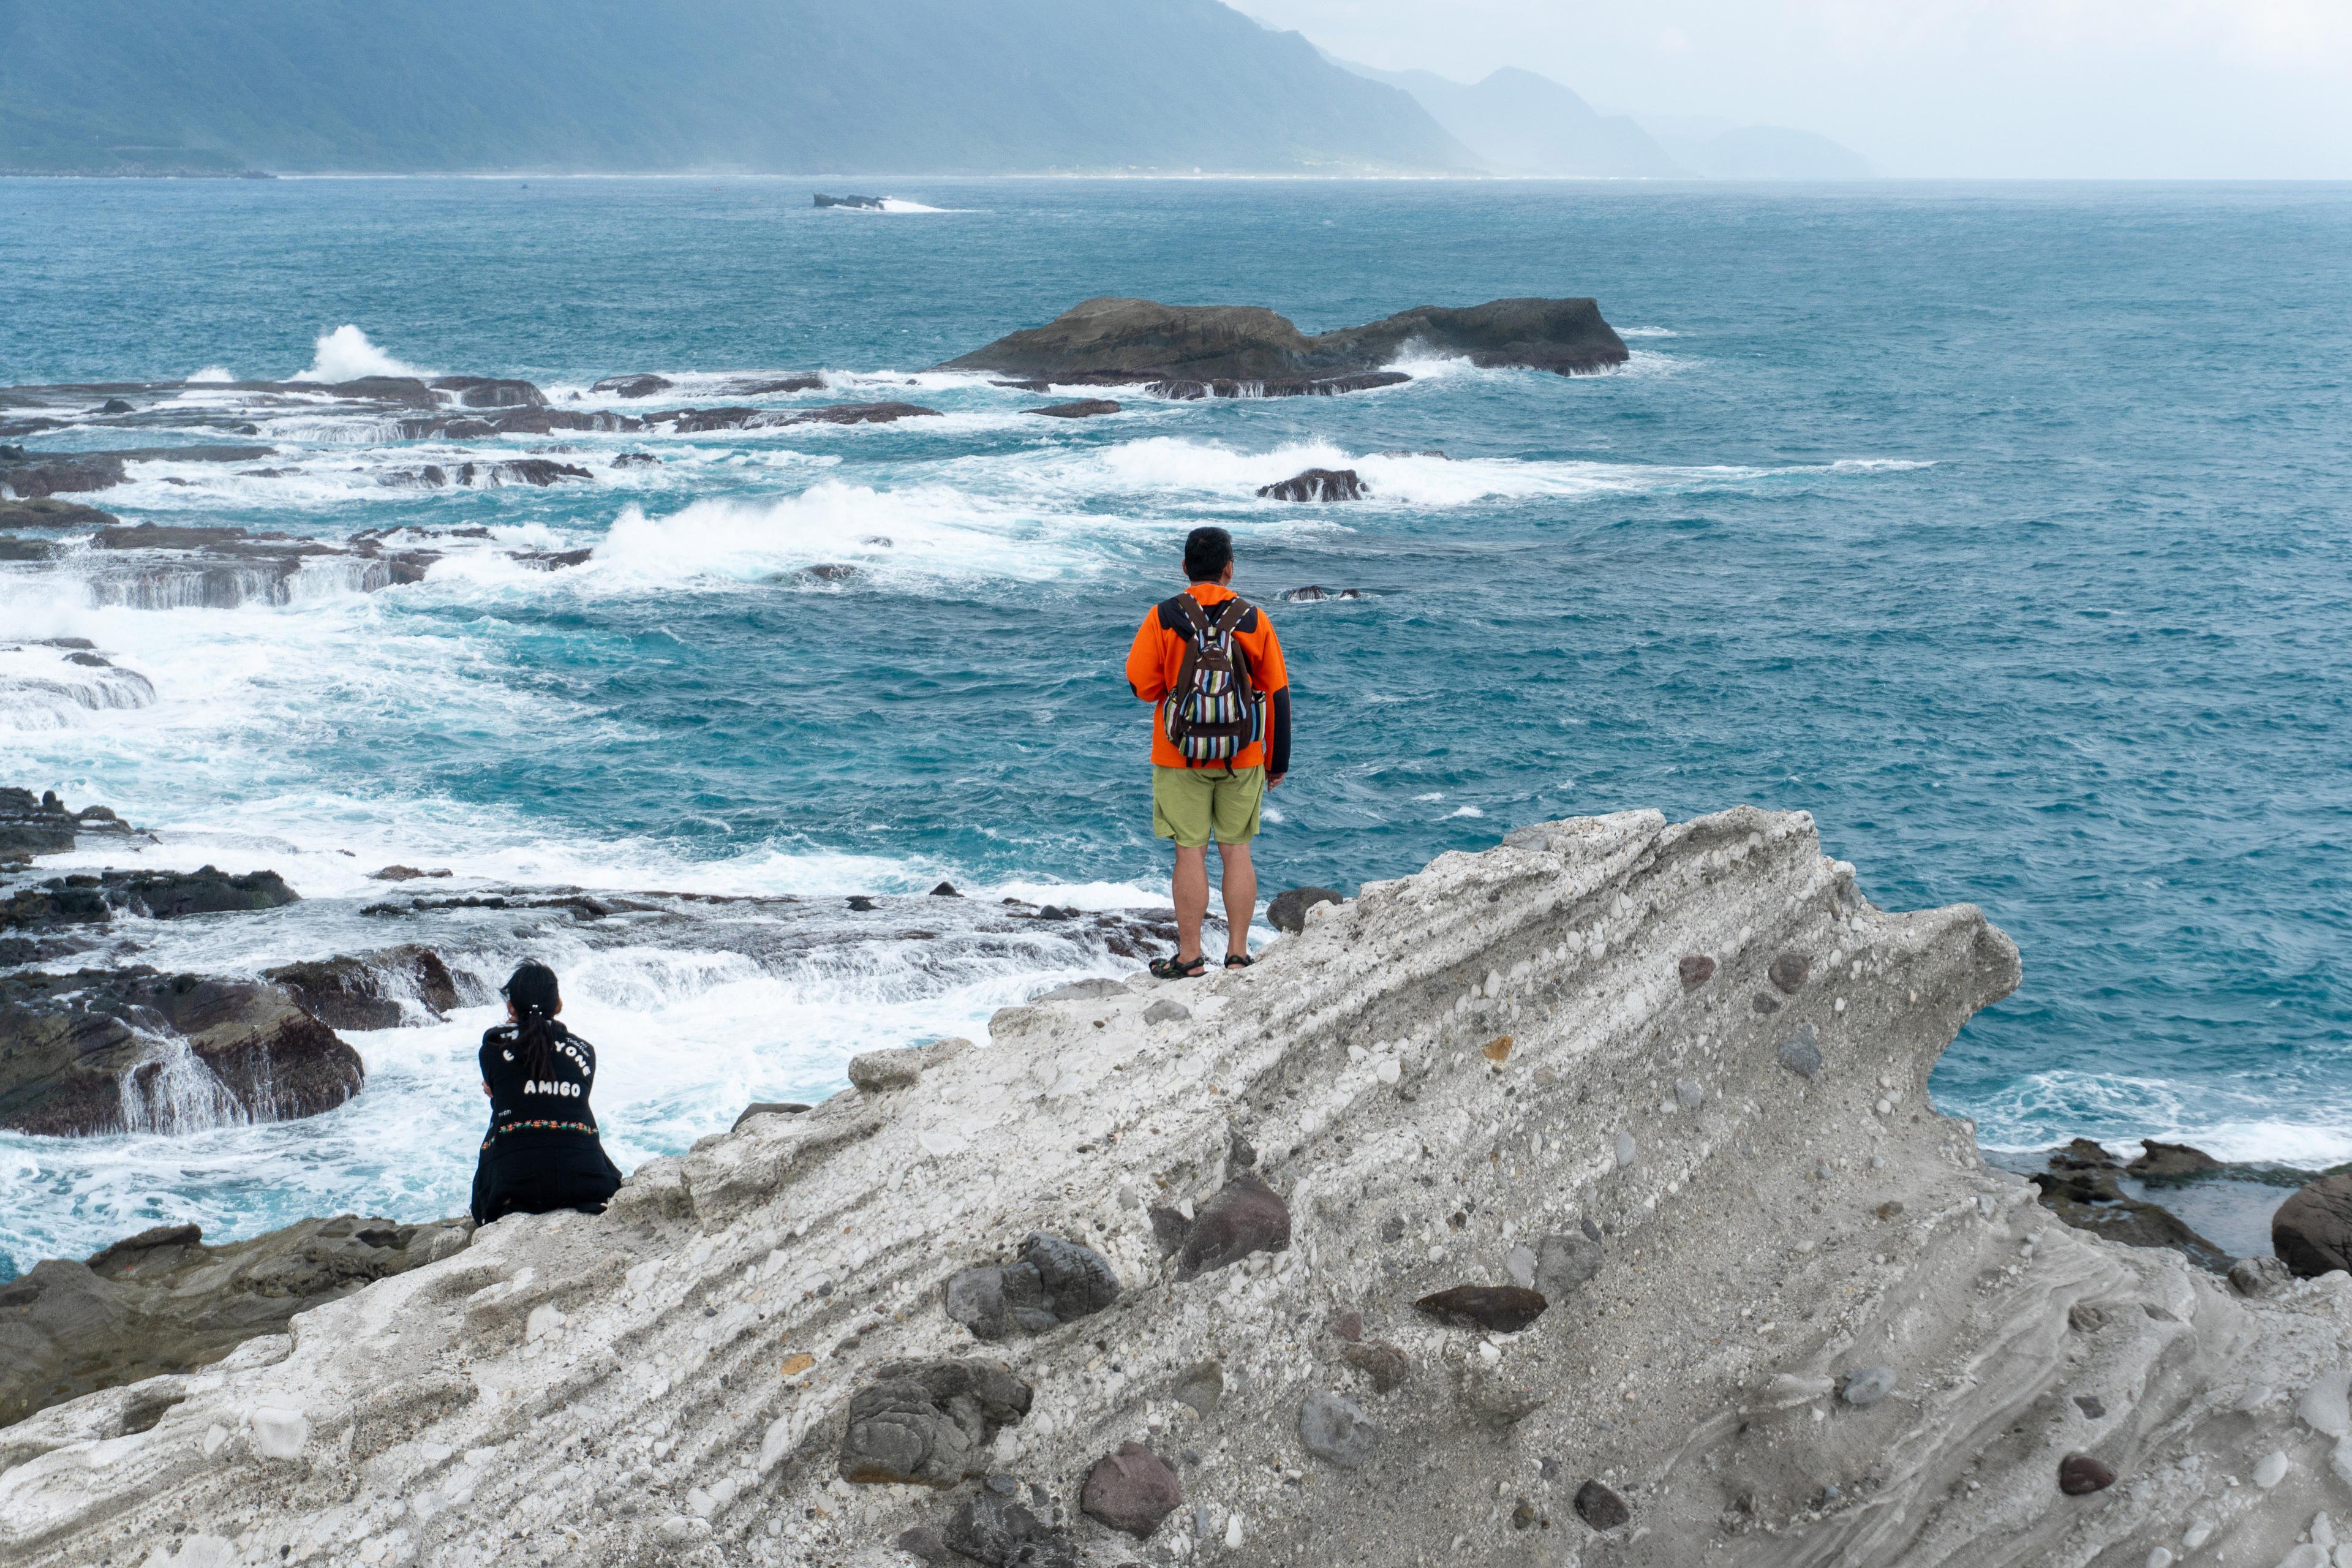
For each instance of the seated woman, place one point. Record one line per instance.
(542, 1152)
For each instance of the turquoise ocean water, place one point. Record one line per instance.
(2003, 528)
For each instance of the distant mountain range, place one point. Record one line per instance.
(662, 86)
(224, 87)
(1518, 122)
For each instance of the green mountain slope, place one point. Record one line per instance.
(794, 86)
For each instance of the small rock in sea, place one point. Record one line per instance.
(1335, 1428)
(1245, 1216)
(861, 903)
(1499, 1308)
(1002, 1532)
(1314, 593)
(2259, 1276)
(933, 1423)
(1054, 912)
(2079, 1475)
(1131, 1491)
(1315, 485)
(1689, 1094)
(2084, 1318)
(1868, 1386)
(1349, 1326)
(403, 874)
(2159, 1159)
(1384, 1363)
(1789, 972)
(1565, 1262)
(1767, 1003)
(1084, 408)
(2312, 1231)
(1519, 1263)
(1597, 1504)
(2091, 1406)
(926, 1544)
(945, 890)
(1288, 912)
(114, 405)
(1697, 969)
(1801, 1053)
(1201, 1386)
(636, 460)
(1167, 1012)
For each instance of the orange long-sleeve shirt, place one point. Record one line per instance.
(1158, 653)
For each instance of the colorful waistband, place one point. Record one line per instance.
(539, 1127)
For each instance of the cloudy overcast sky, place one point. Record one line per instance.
(2133, 89)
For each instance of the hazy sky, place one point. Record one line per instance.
(2181, 89)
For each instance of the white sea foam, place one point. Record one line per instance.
(212, 372)
(345, 355)
(1647, 333)
(44, 688)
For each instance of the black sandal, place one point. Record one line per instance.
(1238, 961)
(1176, 968)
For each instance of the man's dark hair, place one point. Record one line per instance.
(1207, 552)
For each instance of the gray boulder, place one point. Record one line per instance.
(1288, 912)
(929, 1421)
(2312, 1231)
(1245, 1216)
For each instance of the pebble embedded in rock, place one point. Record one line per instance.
(1169, 1229)
(1392, 1229)
(1868, 1386)
(1789, 972)
(1167, 1012)
(975, 1297)
(2079, 1475)
(1496, 1050)
(1519, 1265)
(1697, 969)
(1131, 1490)
(1801, 1053)
(2091, 1406)
(1077, 1279)
(1384, 1363)
(1626, 1150)
(1767, 1003)
(2259, 1276)
(1891, 1209)
(1201, 1386)
(2269, 1470)
(1689, 1094)
(931, 1422)
(1597, 1504)
(2084, 1318)
(1349, 1326)
(1592, 1231)
(1501, 1309)
(925, 1544)
(1002, 1533)
(1245, 1216)
(1335, 1428)
(1565, 1262)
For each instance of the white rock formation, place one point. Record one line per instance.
(669, 1383)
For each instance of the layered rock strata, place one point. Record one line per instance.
(1247, 350)
(1787, 1314)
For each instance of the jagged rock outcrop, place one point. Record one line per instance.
(700, 421)
(369, 991)
(165, 1301)
(1820, 1331)
(130, 1050)
(1245, 351)
(45, 825)
(1315, 485)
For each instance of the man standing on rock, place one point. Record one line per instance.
(1209, 660)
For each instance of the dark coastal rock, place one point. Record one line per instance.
(768, 1107)
(1131, 1490)
(1600, 1506)
(1314, 593)
(1315, 485)
(540, 471)
(636, 460)
(868, 204)
(114, 405)
(1288, 912)
(44, 512)
(1109, 340)
(43, 824)
(172, 895)
(1084, 408)
(775, 386)
(634, 385)
(1056, 1282)
(2259, 1276)
(2080, 1475)
(861, 413)
(403, 874)
(58, 901)
(157, 536)
(525, 421)
(945, 891)
(1245, 1216)
(698, 421)
(1335, 1429)
(929, 1421)
(1185, 390)
(2158, 1160)
(1001, 1531)
(1696, 969)
(366, 991)
(2312, 1232)
(490, 392)
(1077, 1281)
(60, 473)
(177, 1053)
(2082, 1185)
(1499, 1308)
(165, 1301)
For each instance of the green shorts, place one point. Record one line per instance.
(1187, 804)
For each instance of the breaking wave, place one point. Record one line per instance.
(345, 355)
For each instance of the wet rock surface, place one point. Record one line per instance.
(1317, 485)
(1083, 408)
(689, 1371)
(1110, 340)
(166, 1301)
(101, 1051)
(372, 990)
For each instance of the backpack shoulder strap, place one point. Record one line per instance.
(1188, 610)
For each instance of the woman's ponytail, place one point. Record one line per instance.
(531, 991)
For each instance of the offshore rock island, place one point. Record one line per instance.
(1576, 1202)
(1247, 351)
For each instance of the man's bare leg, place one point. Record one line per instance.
(1191, 891)
(1241, 897)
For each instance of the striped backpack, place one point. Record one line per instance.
(1211, 715)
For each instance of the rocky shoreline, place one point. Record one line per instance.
(1492, 1217)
